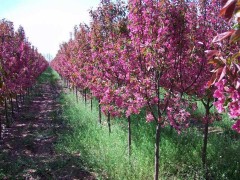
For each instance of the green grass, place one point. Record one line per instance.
(48, 76)
(107, 154)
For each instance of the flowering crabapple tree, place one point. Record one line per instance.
(161, 41)
(106, 32)
(20, 64)
(226, 77)
(148, 59)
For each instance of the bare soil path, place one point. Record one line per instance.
(28, 151)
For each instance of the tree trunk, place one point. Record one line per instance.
(129, 137)
(82, 92)
(205, 140)
(23, 99)
(76, 95)
(157, 150)
(17, 103)
(6, 114)
(99, 112)
(12, 108)
(85, 97)
(28, 91)
(91, 101)
(0, 128)
(109, 124)
(20, 98)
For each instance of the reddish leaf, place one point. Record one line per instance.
(218, 73)
(211, 81)
(223, 2)
(228, 9)
(235, 36)
(238, 67)
(211, 53)
(234, 58)
(213, 61)
(222, 36)
(223, 73)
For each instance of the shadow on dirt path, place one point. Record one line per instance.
(27, 151)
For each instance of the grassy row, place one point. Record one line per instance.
(180, 154)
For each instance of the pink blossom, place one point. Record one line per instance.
(149, 117)
(236, 126)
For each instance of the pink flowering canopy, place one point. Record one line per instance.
(20, 63)
(225, 58)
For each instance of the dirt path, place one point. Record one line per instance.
(28, 150)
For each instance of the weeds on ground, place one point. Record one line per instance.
(180, 154)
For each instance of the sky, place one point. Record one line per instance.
(47, 23)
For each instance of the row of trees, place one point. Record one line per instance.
(20, 65)
(148, 54)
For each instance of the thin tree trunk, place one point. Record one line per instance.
(6, 114)
(91, 101)
(0, 128)
(157, 150)
(205, 140)
(85, 97)
(20, 97)
(99, 112)
(28, 91)
(11, 101)
(76, 94)
(129, 137)
(109, 124)
(23, 98)
(17, 103)
(82, 94)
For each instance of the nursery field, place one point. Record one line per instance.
(180, 154)
(56, 136)
(146, 90)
